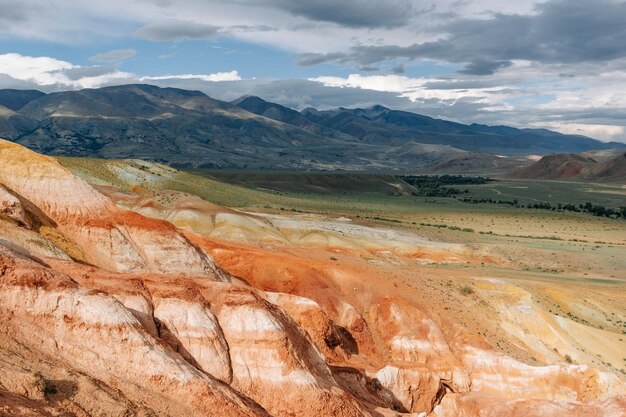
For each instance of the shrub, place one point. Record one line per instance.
(376, 384)
(466, 290)
(44, 385)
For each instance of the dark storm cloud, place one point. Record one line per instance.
(314, 59)
(182, 29)
(369, 69)
(481, 67)
(560, 31)
(351, 13)
(177, 30)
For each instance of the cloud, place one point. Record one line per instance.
(40, 70)
(398, 69)
(78, 73)
(115, 56)
(560, 31)
(50, 74)
(412, 88)
(218, 76)
(351, 13)
(309, 59)
(13, 11)
(603, 132)
(389, 83)
(480, 67)
(251, 28)
(177, 30)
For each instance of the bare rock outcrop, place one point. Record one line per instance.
(77, 325)
(478, 405)
(272, 358)
(11, 208)
(496, 374)
(108, 236)
(230, 332)
(413, 337)
(192, 329)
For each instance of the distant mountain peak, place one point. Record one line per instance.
(378, 108)
(248, 98)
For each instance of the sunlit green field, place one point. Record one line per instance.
(554, 192)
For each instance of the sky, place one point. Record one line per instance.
(557, 64)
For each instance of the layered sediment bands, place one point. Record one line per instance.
(414, 338)
(273, 358)
(78, 326)
(28, 241)
(108, 236)
(11, 208)
(129, 242)
(477, 405)
(495, 374)
(332, 340)
(42, 181)
(417, 390)
(193, 331)
(284, 272)
(232, 333)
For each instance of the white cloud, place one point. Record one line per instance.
(55, 74)
(46, 71)
(605, 133)
(414, 89)
(215, 77)
(40, 70)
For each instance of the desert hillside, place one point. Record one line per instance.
(132, 299)
(572, 166)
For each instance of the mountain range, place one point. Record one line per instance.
(189, 129)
